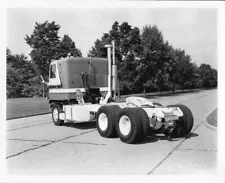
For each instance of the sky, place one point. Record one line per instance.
(191, 29)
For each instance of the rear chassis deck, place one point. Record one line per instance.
(85, 113)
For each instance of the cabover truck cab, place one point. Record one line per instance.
(84, 89)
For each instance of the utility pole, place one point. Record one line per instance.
(43, 90)
(43, 86)
(118, 86)
(43, 72)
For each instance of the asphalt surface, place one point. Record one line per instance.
(36, 146)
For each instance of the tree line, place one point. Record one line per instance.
(146, 62)
(23, 75)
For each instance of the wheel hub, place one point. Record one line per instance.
(125, 125)
(103, 121)
(55, 114)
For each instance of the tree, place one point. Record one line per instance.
(208, 76)
(185, 70)
(116, 36)
(127, 51)
(146, 61)
(67, 47)
(46, 46)
(20, 76)
(115, 33)
(125, 30)
(129, 58)
(98, 50)
(214, 77)
(151, 67)
(44, 41)
(13, 85)
(171, 66)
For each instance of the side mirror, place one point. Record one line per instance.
(42, 80)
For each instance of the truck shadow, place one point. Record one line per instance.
(82, 126)
(159, 137)
(148, 139)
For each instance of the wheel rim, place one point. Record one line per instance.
(103, 121)
(55, 114)
(125, 125)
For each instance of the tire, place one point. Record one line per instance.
(115, 109)
(106, 117)
(56, 109)
(156, 103)
(129, 126)
(184, 124)
(188, 118)
(145, 121)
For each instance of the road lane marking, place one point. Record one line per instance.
(32, 140)
(26, 116)
(28, 126)
(205, 150)
(173, 150)
(89, 143)
(44, 145)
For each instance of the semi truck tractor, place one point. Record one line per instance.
(84, 90)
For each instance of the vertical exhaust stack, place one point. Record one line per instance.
(114, 72)
(109, 94)
(112, 76)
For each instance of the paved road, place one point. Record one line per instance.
(35, 145)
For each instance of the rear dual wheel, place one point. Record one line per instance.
(130, 124)
(184, 124)
(106, 119)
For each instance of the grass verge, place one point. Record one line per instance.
(21, 107)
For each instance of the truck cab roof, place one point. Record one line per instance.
(79, 59)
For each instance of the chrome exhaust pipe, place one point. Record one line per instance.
(112, 69)
(114, 72)
(109, 94)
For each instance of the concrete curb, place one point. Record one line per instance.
(210, 126)
(207, 124)
(25, 116)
